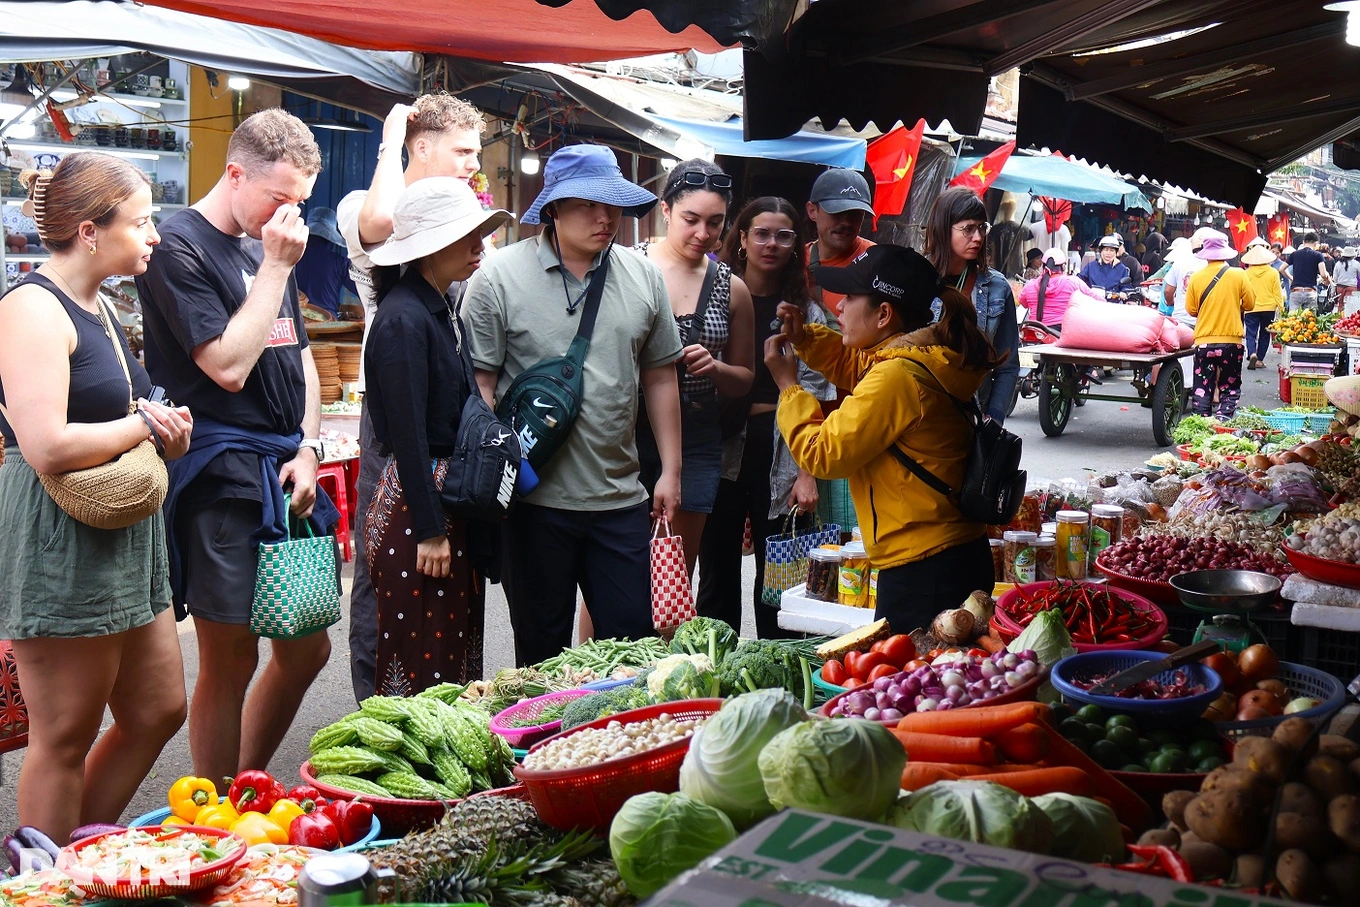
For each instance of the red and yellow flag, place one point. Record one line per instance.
(892, 158)
(982, 174)
(1241, 227)
(1277, 228)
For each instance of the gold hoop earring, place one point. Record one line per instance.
(741, 253)
(91, 248)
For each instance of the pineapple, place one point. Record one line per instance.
(507, 873)
(500, 819)
(594, 882)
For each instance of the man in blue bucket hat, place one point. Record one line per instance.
(586, 524)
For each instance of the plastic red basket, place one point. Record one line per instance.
(1003, 620)
(523, 736)
(589, 796)
(397, 816)
(1153, 590)
(1324, 570)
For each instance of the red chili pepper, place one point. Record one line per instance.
(1158, 861)
(254, 790)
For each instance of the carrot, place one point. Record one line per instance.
(975, 721)
(964, 770)
(1006, 767)
(1128, 806)
(990, 644)
(1026, 743)
(937, 748)
(1061, 779)
(923, 774)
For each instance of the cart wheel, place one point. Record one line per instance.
(1055, 399)
(1168, 403)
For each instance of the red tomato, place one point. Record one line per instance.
(834, 672)
(852, 662)
(915, 663)
(878, 646)
(899, 649)
(934, 654)
(867, 662)
(977, 653)
(881, 671)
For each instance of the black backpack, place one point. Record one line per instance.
(480, 483)
(542, 403)
(993, 482)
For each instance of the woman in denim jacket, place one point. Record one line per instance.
(956, 243)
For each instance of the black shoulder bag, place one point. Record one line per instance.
(542, 403)
(993, 482)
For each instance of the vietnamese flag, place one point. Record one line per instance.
(982, 174)
(892, 158)
(1278, 228)
(1241, 227)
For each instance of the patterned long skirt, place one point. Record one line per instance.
(429, 629)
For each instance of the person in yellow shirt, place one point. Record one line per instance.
(1218, 294)
(1265, 283)
(908, 380)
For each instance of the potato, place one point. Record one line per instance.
(1294, 734)
(1343, 876)
(1160, 837)
(1235, 777)
(1209, 861)
(1328, 777)
(1308, 835)
(1299, 798)
(1228, 818)
(1173, 807)
(1338, 747)
(1299, 876)
(1263, 756)
(1343, 817)
(1355, 770)
(1249, 871)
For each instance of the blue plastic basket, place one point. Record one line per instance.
(601, 685)
(1289, 423)
(1301, 681)
(1087, 665)
(1319, 421)
(157, 816)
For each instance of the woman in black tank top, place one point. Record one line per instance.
(87, 609)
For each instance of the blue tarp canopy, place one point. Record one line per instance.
(725, 137)
(1060, 178)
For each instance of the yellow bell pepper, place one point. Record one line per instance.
(284, 812)
(176, 820)
(189, 794)
(257, 828)
(218, 815)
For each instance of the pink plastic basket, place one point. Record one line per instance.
(510, 723)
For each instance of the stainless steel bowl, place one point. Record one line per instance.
(1219, 591)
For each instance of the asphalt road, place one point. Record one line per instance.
(1100, 436)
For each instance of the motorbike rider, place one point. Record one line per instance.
(1107, 272)
(1047, 296)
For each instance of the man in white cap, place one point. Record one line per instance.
(1346, 275)
(586, 524)
(837, 206)
(1178, 278)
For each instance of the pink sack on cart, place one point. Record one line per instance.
(1111, 327)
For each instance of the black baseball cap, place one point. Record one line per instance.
(903, 275)
(838, 190)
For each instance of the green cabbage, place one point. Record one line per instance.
(977, 811)
(1084, 829)
(846, 767)
(1048, 637)
(720, 768)
(655, 837)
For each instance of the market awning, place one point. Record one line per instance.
(806, 146)
(1059, 178)
(1317, 214)
(748, 22)
(496, 30)
(359, 79)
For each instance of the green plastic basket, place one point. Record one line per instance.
(825, 690)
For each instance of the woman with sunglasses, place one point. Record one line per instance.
(760, 480)
(956, 244)
(712, 309)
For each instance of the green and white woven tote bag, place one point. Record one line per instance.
(295, 589)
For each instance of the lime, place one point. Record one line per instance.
(1073, 729)
(1133, 767)
(1126, 738)
(1060, 712)
(1204, 766)
(1163, 763)
(1145, 745)
(1121, 721)
(1107, 754)
(1161, 737)
(1204, 749)
(1091, 714)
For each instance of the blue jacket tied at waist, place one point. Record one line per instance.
(212, 439)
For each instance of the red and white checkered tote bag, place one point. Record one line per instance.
(672, 603)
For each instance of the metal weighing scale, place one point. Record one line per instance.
(1230, 596)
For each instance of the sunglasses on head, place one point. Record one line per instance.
(694, 178)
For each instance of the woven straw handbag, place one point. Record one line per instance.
(120, 493)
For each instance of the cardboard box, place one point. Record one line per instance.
(801, 859)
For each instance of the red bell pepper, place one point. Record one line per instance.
(308, 797)
(254, 790)
(353, 818)
(314, 830)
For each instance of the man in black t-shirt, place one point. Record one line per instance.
(1306, 268)
(224, 336)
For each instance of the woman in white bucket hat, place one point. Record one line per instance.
(419, 374)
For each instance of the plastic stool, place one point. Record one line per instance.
(334, 474)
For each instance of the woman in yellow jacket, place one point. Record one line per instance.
(904, 375)
(1265, 283)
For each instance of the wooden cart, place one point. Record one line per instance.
(1061, 386)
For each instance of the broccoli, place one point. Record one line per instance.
(598, 705)
(766, 664)
(705, 636)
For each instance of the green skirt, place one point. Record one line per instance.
(65, 579)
